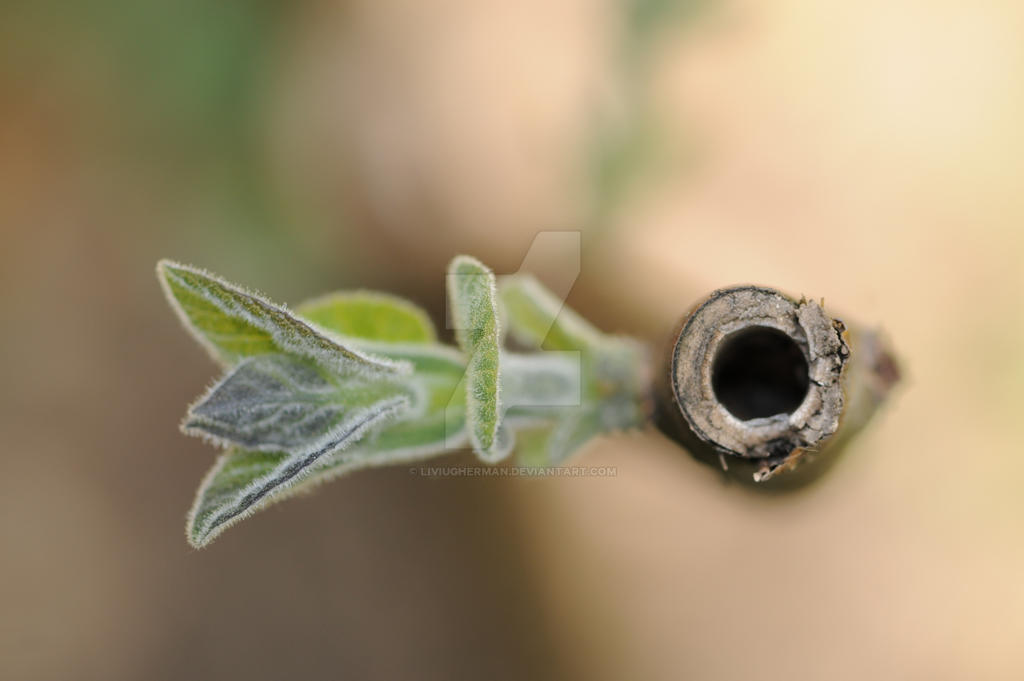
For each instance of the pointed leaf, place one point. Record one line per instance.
(232, 323)
(242, 481)
(370, 315)
(279, 402)
(441, 429)
(474, 308)
(234, 470)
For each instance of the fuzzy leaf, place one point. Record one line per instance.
(402, 442)
(435, 425)
(441, 429)
(370, 315)
(243, 481)
(474, 308)
(538, 319)
(232, 323)
(438, 372)
(220, 489)
(279, 402)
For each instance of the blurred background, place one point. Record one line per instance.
(871, 153)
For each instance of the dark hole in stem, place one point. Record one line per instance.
(758, 372)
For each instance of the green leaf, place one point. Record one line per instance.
(537, 319)
(220, 489)
(232, 324)
(404, 441)
(424, 358)
(283, 403)
(436, 425)
(438, 372)
(474, 307)
(370, 315)
(441, 429)
(243, 481)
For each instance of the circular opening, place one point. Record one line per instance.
(759, 372)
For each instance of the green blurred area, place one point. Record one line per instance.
(164, 101)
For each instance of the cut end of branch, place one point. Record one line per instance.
(759, 376)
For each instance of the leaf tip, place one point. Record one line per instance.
(166, 269)
(164, 264)
(465, 260)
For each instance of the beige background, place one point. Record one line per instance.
(870, 153)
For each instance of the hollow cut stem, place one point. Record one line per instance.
(761, 383)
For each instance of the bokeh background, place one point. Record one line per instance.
(871, 153)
